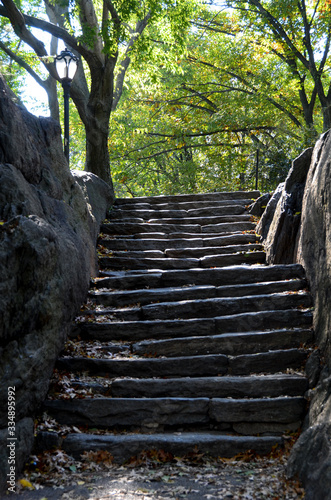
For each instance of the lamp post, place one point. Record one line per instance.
(66, 66)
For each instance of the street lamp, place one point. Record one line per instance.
(66, 66)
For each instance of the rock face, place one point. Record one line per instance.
(47, 256)
(314, 251)
(298, 230)
(280, 225)
(314, 247)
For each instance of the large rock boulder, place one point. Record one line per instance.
(280, 223)
(314, 246)
(47, 256)
(311, 457)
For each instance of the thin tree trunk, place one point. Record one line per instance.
(97, 154)
(326, 110)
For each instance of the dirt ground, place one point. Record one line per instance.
(154, 475)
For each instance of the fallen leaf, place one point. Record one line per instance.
(26, 484)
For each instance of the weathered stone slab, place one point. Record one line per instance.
(264, 320)
(138, 330)
(231, 275)
(204, 251)
(233, 259)
(184, 366)
(268, 362)
(203, 221)
(146, 214)
(217, 210)
(228, 227)
(127, 220)
(130, 281)
(261, 288)
(109, 412)
(138, 254)
(147, 263)
(128, 228)
(230, 239)
(263, 428)
(122, 447)
(230, 343)
(146, 296)
(213, 387)
(280, 410)
(224, 306)
(188, 205)
(151, 244)
(217, 196)
(196, 205)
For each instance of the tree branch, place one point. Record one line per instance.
(140, 26)
(57, 31)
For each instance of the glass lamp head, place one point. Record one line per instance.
(66, 65)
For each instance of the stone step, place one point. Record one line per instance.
(120, 412)
(132, 228)
(233, 275)
(189, 221)
(139, 330)
(145, 296)
(204, 221)
(184, 205)
(210, 307)
(184, 253)
(146, 214)
(229, 344)
(164, 243)
(252, 257)
(198, 334)
(188, 366)
(118, 228)
(224, 306)
(187, 236)
(267, 386)
(206, 197)
(122, 447)
(147, 263)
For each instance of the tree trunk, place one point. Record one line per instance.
(97, 154)
(326, 110)
(94, 108)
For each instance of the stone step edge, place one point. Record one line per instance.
(146, 213)
(117, 412)
(225, 195)
(187, 366)
(159, 236)
(107, 251)
(163, 244)
(146, 296)
(150, 311)
(189, 220)
(123, 330)
(155, 263)
(180, 444)
(234, 274)
(127, 228)
(231, 344)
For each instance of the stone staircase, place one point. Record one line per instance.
(188, 341)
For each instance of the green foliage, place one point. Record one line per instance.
(199, 130)
(204, 90)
